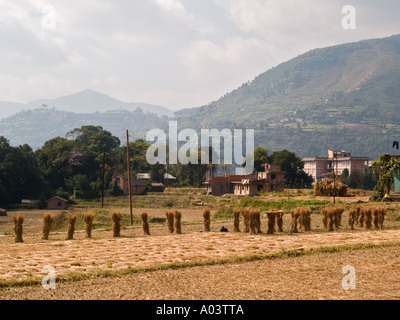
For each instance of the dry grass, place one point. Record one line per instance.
(88, 217)
(105, 256)
(18, 229)
(207, 219)
(145, 223)
(71, 226)
(116, 224)
(47, 222)
(246, 220)
(178, 225)
(311, 277)
(236, 223)
(330, 187)
(170, 221)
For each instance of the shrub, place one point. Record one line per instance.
(169, 203)
(225, 212)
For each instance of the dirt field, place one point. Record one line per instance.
(313, 276)
(318, 276)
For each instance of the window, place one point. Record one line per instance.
(58, 204)
(273, 176)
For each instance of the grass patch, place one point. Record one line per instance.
(169, 203)
(223, 213)
(102, 219)
(286, 205)
(395, 216)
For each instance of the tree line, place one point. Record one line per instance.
(82, 164)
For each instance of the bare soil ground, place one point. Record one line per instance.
(316, 276)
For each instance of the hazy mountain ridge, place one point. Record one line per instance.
(34, 127)
(87, 101)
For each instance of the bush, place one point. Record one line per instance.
(116, 191)
(169, 203)
(224, 212)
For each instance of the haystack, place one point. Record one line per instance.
(206, 219)
(236, 214)
(88, 217)
(18, 221)
(330, 188)
(145, 223)
(178, 224)
(116, 224)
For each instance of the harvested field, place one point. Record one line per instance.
(316, 276)
(150, 267)
(22, 261)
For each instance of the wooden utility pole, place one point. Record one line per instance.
(102, 179)
(128, 159)
(334, 177)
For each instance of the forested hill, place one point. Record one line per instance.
(341, 97)
(35, 127)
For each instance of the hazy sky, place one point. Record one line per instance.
(175, 53)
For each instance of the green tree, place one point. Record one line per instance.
(190, 174)
(261, 158)
(19, 174)
(137, 152)
(384, 166)
(96, 139)
(292, 166)
(58, 159)
(75, 165)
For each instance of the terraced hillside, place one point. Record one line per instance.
(343, 97)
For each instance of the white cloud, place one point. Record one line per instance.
(169, 52)
(172, 6)
(219, 69)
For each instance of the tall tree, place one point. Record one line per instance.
(19, 174)
(292, 166)
(261, 158)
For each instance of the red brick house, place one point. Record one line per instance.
(122, 181)
(252, 184)
(56, 203)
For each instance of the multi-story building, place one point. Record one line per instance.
(336, 162)
(272, 180)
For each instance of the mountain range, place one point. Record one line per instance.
(87, 101)
(344, 97)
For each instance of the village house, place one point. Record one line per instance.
(56, 203)
(28, 203)
(121, 180)
(272, 180)
(141, 183)
(139, 186)
(169, 179)
(336, 162)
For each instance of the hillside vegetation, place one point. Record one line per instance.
(342, 97)
(35, 127)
